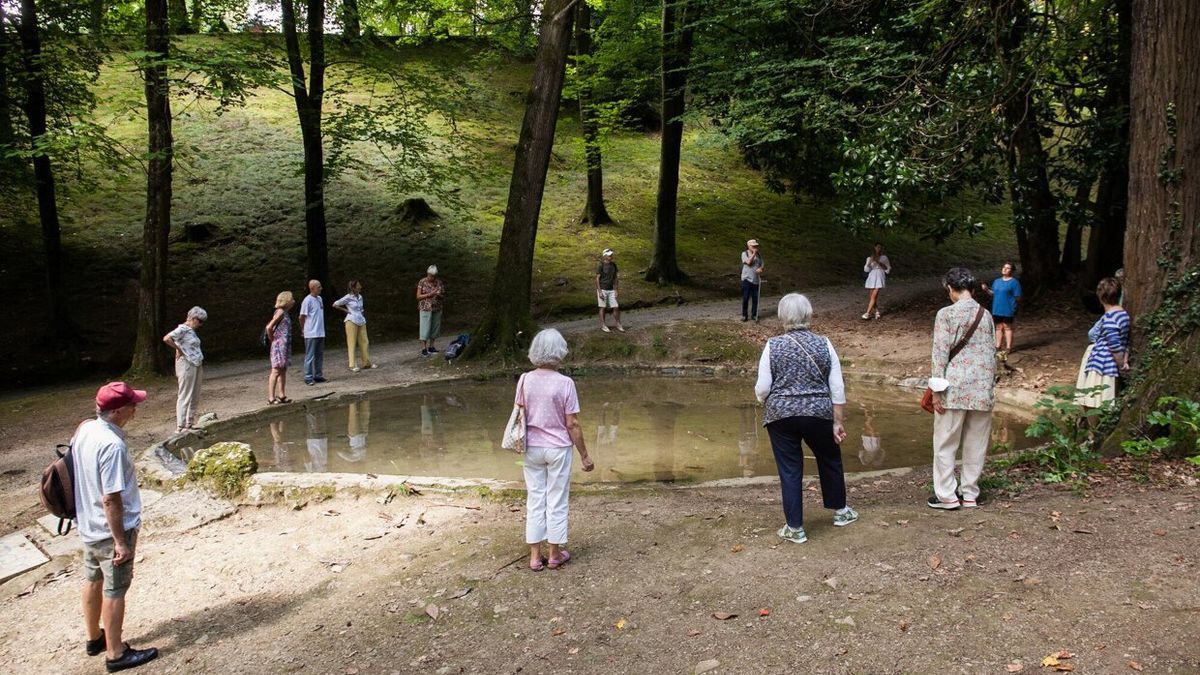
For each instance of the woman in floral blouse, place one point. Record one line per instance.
(964, 392)
(189, 367)
(279, 332)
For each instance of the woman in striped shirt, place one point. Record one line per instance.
(1107, 357)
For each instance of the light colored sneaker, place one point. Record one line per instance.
(796, 535)
(844, 519)
(605, 329)
(355, 369)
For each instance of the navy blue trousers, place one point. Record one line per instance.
(786, 435)
(749, 294)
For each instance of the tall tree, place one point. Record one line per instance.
(43, 171)
(148, 354)
(351, 20)
(594, 211)
(507, 319)
(1162, 241)
(180, 23)
(309, 97)
(677, 36)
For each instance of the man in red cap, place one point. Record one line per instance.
(108, 508)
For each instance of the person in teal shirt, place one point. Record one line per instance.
(1006, 297)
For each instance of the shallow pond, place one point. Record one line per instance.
(638, 428)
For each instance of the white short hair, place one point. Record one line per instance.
(795, 311)
(198, 313)
(549, 348)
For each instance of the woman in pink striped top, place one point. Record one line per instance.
(551, 429)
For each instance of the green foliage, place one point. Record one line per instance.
(1174, 430)
(1069, 453)
(223, 467)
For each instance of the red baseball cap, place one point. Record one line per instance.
(118, 395)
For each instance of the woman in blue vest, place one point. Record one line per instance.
(800, 381)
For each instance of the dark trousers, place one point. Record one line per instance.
(314, 358)
(749, 294)
(786, 435)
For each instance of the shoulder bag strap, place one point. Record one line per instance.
(808, 354)
(962, 342)
(521, 390)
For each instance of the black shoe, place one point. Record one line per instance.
(424, 352)
(95, 647)
(935, 503)
(745, 318)
(309, 382)
(318, 379)
(132, 658)
(433, 350)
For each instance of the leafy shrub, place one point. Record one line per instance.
(1069, 453)
(223, 467)
(1175, 431)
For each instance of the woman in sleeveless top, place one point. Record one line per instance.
(279, 332)
(800, 381)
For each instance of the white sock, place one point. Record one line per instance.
(843, 511)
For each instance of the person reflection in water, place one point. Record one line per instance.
(431, 424)
(318, 441)
(606, 430)
(279, 447)
(872, 453)
(748, 441)
(358, 423)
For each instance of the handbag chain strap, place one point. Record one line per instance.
(962, 342)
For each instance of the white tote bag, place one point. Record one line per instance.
(514, 431)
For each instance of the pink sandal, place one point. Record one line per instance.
(555, 563)
(536, 565)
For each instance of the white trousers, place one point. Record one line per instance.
(188, 401)
(547, 486)
(970, 431)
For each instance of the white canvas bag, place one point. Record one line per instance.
(514, 431)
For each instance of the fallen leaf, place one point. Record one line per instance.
(573, 650)
(845, 621)
(706, 666)
(901, 522)
(723, 616)
(432, 611)
(352, 671)
(620, 624)
(935, 561)
(1065, 667)
(1135, 665)
(831, 582)
(737, 548)
(1015, 667)
(1160, 533)
(330, 512)
(693, 632)
(904, 625)
(956, 531)
(764, 612)
(558, 631)
(1064, 654)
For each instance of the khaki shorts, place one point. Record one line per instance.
(98, 564)
(607, 299)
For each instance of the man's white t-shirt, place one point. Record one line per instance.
(103, 467)
(314, 309)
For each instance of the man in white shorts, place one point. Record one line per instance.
(606, 289)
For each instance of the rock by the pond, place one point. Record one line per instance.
(18, 555)
(207, 418)
(706, 666)
(223, 467)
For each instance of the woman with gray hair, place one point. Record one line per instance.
(963, 380)
(551, 428)
(189, 367)
(800, 381)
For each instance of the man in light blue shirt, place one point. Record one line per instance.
(312, 325)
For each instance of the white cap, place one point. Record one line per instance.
(432, 269)
(606, 252)
(752, 242)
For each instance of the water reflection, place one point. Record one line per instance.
(646, 429)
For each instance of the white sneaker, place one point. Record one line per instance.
(355, 369)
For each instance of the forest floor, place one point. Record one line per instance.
(663, 579)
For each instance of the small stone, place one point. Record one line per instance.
(845, 621)
(831, 582)
(706, 666)
(803, 598)
(202, 639)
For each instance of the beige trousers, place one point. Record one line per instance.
(356, 336)
(188, 401)
(969, 431)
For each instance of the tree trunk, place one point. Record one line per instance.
(43, 172)
(594, 211)
(1162, 241)
(148, 353)
(96, 11)
(1106, 246)
(179, 17)
(1029, 184)
(198, 16)
(507, 323)
(351, 20)
(1076, 219)
(676, 56)
(309, 99)
(7, 130)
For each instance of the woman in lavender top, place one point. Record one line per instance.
(279, 332)
(1107, 357)
(551, 428)
(189, 367)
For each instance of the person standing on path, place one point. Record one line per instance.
(189, 367)
(312, 326)
(108, 508)
(876, 268)
(800, 381)
(1006, 298)
(606, 289)
(356, 325)
(752, 267)
(963, 379)
(430, 293)
(1107, 357)
(279, 334)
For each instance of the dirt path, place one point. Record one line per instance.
(346, 585)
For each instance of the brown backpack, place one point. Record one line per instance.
(57, 489)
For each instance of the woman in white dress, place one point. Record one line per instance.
(877, 268)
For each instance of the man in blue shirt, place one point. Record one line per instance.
(1006, 297)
